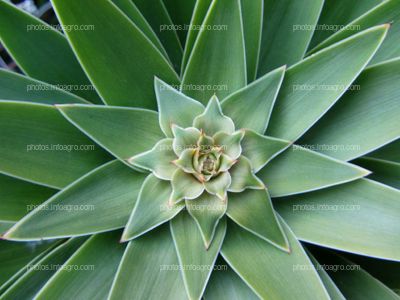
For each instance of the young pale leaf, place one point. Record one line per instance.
(223, 50)
(330, 286)
(337, 13)
(184, 138)
(157, 15)
(38, 274)
(243, 176)
(152, 208)
(195, 261)
(207, 210)
(384, 171)
(198, 15)
(157, 160)
(155, 275)
(300, 170)
(18, 197)
(346, 217)
(42, 52)
(98, 259)
(355, 283)
(252, 13)
(174, 107)
(251, 106)
(212, 120)
(184, 186)
(102, 200)
(253, 211)
(39, 145)
(386, 12)
(14, 86)
(313, 85)
(230, 143)
(225, 284)
(260, 149)
(261, 273)
(365, 118)
(120, 79)
(132, 12)
(219, 185)
(283, 40)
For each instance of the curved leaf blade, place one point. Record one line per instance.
(135, 75)
(49, 58)
(102, 200)
(272, 274)
(155, 275)
(210, 46)
(251, 106)
(325, 75)
(364, 119)
(38, 136)
(361, 217)
(299, 170)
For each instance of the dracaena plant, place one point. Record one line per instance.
(190, 149)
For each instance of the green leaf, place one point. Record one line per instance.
(360, 217)
(385, 12)
(157, 160)
(212, 120)
(243, 176)
(132, 12)
(185, 161)
(195, 261)
(220, 48)
(325, 75)
(14, 86)
(185, 186)
(15, 256)
(157, 15)
(42, 52)
(89, 273)
(207, 210)
(199, 13)
(125, 80)
(225, 284)
(299, 170)
(272, 274)
(102, 200)
(152, 208)
(330, 286)
(355, 283)
(122, 131)
(337, 13)
(39, 145)
(383, 171)
(252, 13)
(40, 272)
(282, 43)
(219, 185)
(155, 275)
(251, 106)
(390, 152)
(260, 149)
(181, 13)
(18, 197)
(230, 143)
(252, 210)
(364, 119)
(174, 107)
(185, 138)
(4, 226)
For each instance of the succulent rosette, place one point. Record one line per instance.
(200, 149)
